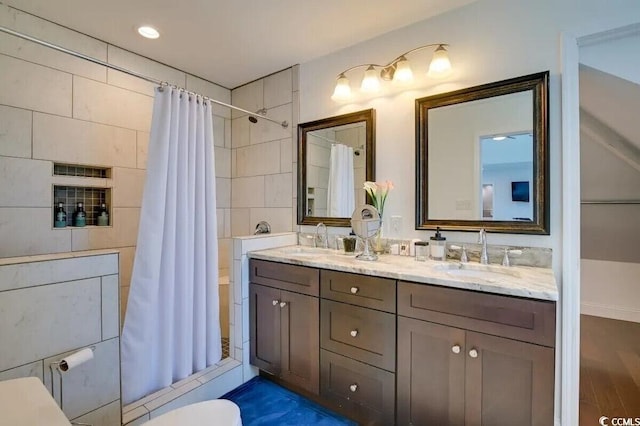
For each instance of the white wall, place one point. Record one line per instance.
(603, 57)
(610, 289)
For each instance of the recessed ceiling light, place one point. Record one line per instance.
(148, 32)
(499, 138)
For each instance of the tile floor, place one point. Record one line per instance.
(263, 402)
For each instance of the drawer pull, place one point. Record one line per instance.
(455, 349)
(353, 387)
(354, 290)
(354, 333)
(283, 304)
(473, 353)
(274, 302)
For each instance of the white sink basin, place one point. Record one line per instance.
(488, 273)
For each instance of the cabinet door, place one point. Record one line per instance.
(264, 320)
(300, 340)
(508, 382)
(431, 364)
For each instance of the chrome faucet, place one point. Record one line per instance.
(482, 239)
(262, 228)
(323, 238)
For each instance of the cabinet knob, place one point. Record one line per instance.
(274, 302)
(354, 290)
(283, 304)
(354, 333)
(473, 353)
(353, 387)
(455, 349)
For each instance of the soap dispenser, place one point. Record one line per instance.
(61, 216)
(79, 216)
(103, 215)
(437, 247)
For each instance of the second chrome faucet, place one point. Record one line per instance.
(324, 239)
(482, 239)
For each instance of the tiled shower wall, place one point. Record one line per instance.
(263, 155)
(57, 108)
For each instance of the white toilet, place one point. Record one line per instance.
(219, 412)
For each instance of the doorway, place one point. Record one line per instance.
(609, 94)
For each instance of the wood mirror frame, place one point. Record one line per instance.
(538, 84)
(366, 116)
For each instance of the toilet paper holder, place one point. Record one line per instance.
(67, 363)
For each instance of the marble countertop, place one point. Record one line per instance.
(521, 281)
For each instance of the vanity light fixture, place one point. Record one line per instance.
(399, 71)
(148, 32)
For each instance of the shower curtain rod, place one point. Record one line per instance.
(284, 124)
(335, 141)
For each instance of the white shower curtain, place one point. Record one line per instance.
(341, 192)
(172, 327)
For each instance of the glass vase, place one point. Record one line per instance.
(378, 242)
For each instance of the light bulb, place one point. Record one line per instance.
(403, 74)
(342, 92)
(370, 82)
(440, 65)
(148, 32)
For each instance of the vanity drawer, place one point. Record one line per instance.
(364, 392)
(299, 279)
(513, 317)
(362, 290)
(360, 333)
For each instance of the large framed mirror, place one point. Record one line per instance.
(482, 158)
(336, 156)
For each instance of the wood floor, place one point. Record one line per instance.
(609, 369)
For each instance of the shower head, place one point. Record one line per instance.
(254, 119)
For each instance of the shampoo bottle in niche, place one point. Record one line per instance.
(79, 217)
(103, 215)
(437, 247)
(60, 220)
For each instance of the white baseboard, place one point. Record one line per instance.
(613, 312)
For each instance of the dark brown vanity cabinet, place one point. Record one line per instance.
(283, 317)
(386, 352)
(358, 345)
(468, 358)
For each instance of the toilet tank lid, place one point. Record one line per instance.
(225, 413)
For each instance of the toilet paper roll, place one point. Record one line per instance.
(75, 359)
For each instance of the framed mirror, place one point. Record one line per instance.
(336, 156)
(482, 158)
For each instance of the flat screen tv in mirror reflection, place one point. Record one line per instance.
(520, 191)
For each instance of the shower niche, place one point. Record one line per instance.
(82, 184)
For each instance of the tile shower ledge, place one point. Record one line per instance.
(56, 256)
(520, 281)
